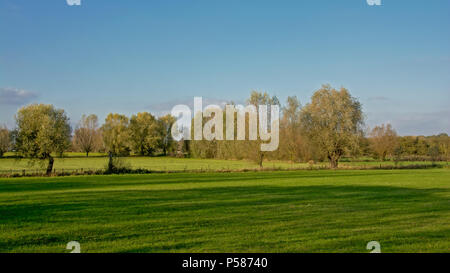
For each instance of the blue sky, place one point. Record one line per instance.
(130, 56)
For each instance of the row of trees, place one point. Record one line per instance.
(43, 131)
(383, 143)
(329, 127)
(142, 134)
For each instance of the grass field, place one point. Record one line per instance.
(150, 163)
(299, 211)
(76, 163)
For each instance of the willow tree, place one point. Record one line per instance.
(259, 99)
(144, 135)
(42, 131)
(5, 140)
(383, 141)
(116, 139)
(165, 134)
(333, 121)
(116, 135)
(291, 144)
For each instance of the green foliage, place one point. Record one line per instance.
(145, 135)
(294, 145)
(418, 147)
(41, 131)
(236, 149)
(333, 121)
(433, 153)
(167, 143)
(5, 141)
(118, 165)
(116, 135)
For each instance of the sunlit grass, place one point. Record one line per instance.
(98, 162)
(300, 211)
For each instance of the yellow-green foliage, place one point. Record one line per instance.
(42, 130)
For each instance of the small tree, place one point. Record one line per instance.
(383, 141)
(165, 133)
(5, 141)
(398, 152)
(144, 135)
(116, 135)
(87, 136)
(333, 121)
(434, 154)
(41, 131)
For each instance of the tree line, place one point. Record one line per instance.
(329, 127)
(143, 134)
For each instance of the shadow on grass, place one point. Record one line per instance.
(90, 182)
(173, 217)
(136, 203)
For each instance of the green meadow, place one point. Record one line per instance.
(150, 163)
(76, 162)
(284, 211)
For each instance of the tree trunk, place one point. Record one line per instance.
(50, 165)
(87, 154)
(110, 163)
(261, 159)
(334, 162)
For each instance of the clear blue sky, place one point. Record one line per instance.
(130, 56)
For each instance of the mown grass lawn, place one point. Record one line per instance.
(301, 211)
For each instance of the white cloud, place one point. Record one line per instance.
(414, 123)
(14, 96)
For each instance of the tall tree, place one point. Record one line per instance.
(41, 131)
(291, 136)
(333, 120)
(5, 140)
(257, 99)
(87, 136)
(144, 135)
(383, 141)
(165, 132)
(116, 135)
